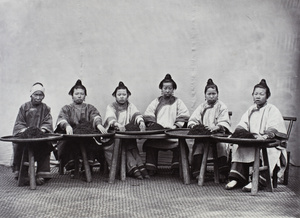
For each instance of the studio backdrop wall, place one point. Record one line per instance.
(234, 42)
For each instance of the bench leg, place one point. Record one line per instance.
(286, 172)
(216, 163)
(203, 165)
(61, 167)
(275, 177)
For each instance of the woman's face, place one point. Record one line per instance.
(37, 97)
(259, 96)
(211, 95)
(78, 96)
(121, 96)
(167, 89)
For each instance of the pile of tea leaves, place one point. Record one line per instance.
(149, 126)
(84, 127)
(32, 132)
(132, 127)
(242, 133)
(154, 126)
(199, 130)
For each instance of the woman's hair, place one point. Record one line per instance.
(210, 84)
(77, 85)
(121, 86)
(263, 84)
(167, 79)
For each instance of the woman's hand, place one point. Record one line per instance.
(69, 130)
(260, 137)
(142, 126)
(101, 129)
(119, 127)
(214, 129)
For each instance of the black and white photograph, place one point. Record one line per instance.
(149, 108)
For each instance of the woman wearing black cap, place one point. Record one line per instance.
(119, 115)
(213, 114)
(170, 112)
(71, 116)
(264, 121)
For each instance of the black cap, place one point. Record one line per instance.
(78, 84)
(168, 78)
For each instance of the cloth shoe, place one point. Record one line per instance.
(70, 165)
(137, 174)
(16, 175)
(152, 172)
(40, 181)
(247, 188)
(144, 173)
(231, 185)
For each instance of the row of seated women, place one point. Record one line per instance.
(262, 119)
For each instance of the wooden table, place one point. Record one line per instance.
(143, 135)
(182, 134)
(258, 145)
(80, 140)
(28, 147)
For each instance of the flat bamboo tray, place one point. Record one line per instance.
(183, 133)
(243, 141)
(147, 132)
(74, 136)
(49, 137)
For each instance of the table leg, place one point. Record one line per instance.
(23, 170)
(31, 168)
(123, 161)
(112, 172)
(216, 163)
(203, 165)
(255, 175)
(86, 165)
(184, 162)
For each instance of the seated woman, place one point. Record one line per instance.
(34, 114)
(264, 121)
(213, 114)
(118, 115)
(170, 112)
(72, 115)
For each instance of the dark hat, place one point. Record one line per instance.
(77, 85)
(168, 78)
(121, 86)
(263, 84)
(210, 84)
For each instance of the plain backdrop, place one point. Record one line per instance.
(234, 42)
